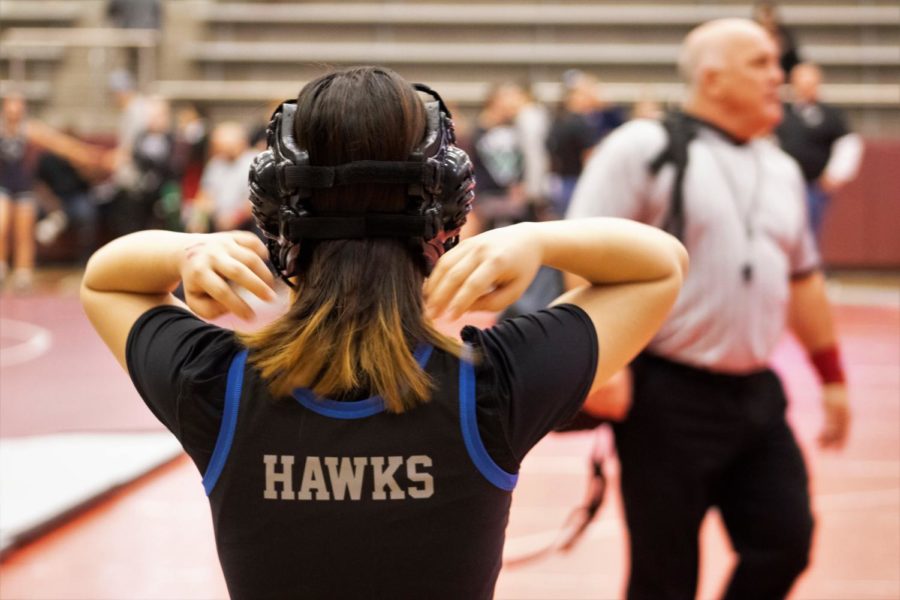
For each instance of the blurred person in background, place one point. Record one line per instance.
(144, 168)
(707, 426)
(22, 139)
(222, 203)
(133, 114)
(583, 120)
(766, 14)
(191, 148)
(532, 124)
(647, 107)
(499, 160)
(155, 198)
(18, 212)
(819, 138)
(67, 196)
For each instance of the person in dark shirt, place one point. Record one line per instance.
(17, 206)
(583, 121)
(499, 161)
(766, 14)
(818, 137)
(71, 199)
(349, 450)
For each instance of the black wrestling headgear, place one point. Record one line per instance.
(440, 190)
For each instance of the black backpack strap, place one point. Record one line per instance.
(680, 130)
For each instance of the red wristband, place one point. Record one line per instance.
(828, 364)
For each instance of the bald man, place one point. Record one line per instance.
(707, 424)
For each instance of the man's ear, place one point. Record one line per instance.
(711, 80)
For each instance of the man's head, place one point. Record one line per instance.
(159, 115)
(504, 101)
(805, 81)
(13, 108)
(228, 141)
(733, 75)
(582, 93)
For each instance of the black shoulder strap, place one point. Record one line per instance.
(680, 130)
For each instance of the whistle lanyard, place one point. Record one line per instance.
(745, 216)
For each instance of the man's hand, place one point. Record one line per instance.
(830, 186)
(837, 416)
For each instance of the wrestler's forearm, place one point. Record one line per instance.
(146, 262)
(611, 251)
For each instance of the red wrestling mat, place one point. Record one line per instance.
(168, 551)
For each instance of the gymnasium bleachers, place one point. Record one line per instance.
(233, 57)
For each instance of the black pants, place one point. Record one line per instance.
(694, 440)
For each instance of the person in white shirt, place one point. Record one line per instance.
(222, 201)
(706, 426)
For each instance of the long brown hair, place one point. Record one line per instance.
(357, 311)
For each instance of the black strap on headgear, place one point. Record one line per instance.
(361, 171)
(362, 226)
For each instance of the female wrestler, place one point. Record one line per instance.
(349, 450)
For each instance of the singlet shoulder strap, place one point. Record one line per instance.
(472, 437)
(229, 422)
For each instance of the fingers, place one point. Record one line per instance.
(219, 269)
(447, 278)
(205, 306)
(251, 241)
(498, 299)
(237, 273)
(247, 269)
(482, 281)
(215, 287)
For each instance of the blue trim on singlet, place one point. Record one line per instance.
(357, 409)
(229, 422)
(472, 437)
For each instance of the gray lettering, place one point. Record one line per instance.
(427, 481)
(348, 478)
(285, 477)
(386, 477)
(313, 479)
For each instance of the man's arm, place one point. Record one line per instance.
(843, 166)
(810, 318)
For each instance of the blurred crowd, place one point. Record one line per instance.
(165, 168)
(171, 167)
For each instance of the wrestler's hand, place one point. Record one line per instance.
(218, 265)
(837, 416)
(486, 272)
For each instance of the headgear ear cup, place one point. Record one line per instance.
(440, 179)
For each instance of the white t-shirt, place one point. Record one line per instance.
(744, 209)
(227, 182)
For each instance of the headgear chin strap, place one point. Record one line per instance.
(440, 189)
